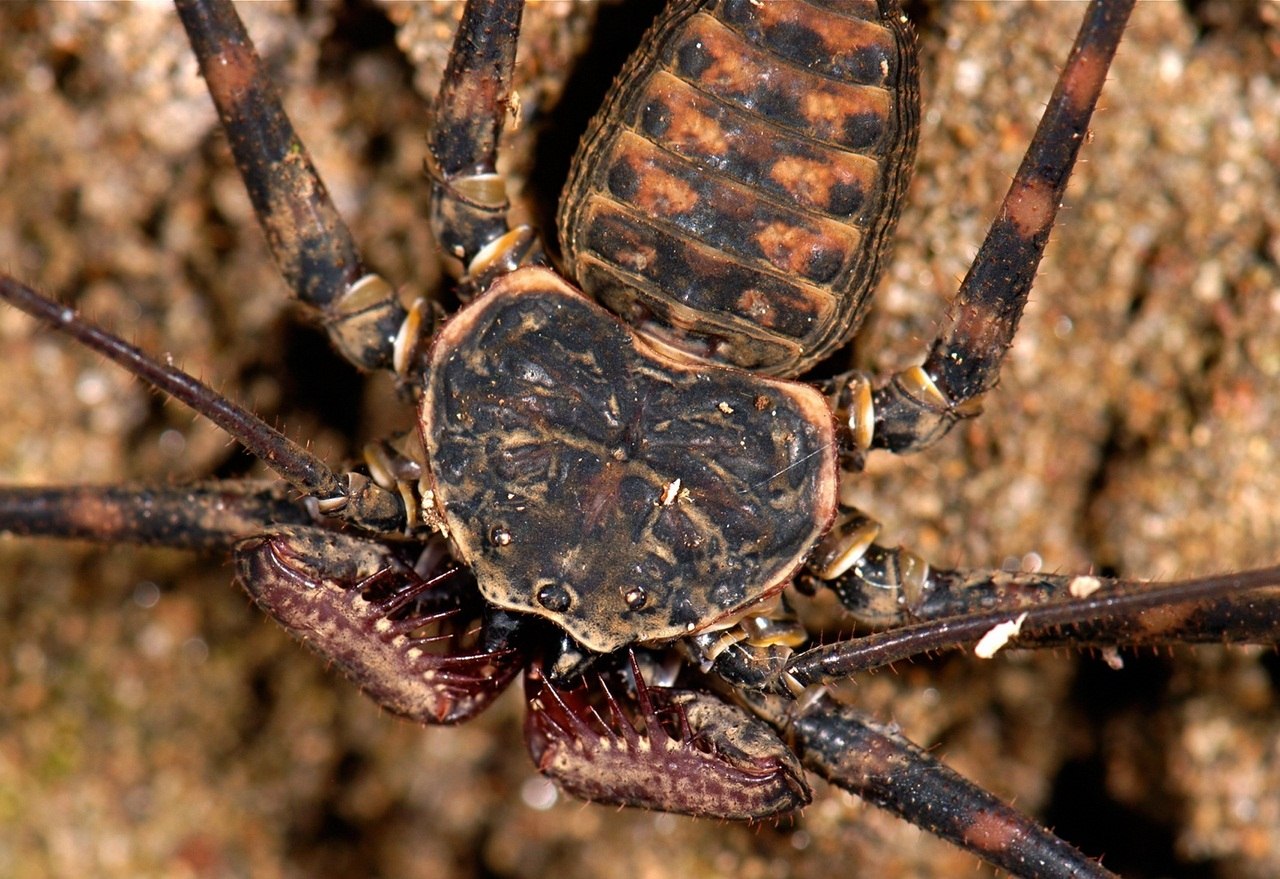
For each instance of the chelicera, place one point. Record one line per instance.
(302, 555)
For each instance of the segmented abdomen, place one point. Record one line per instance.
(733, 197)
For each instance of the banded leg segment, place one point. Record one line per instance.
(200, 517)
(311, 244)
(469, 202)
(883, 768)
(919, 405)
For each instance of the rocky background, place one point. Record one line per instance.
(152, 723)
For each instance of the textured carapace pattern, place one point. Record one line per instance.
(625, 496)
(734, 195)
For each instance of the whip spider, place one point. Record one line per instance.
(1151, 455)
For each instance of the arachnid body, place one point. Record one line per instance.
(987, 444)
